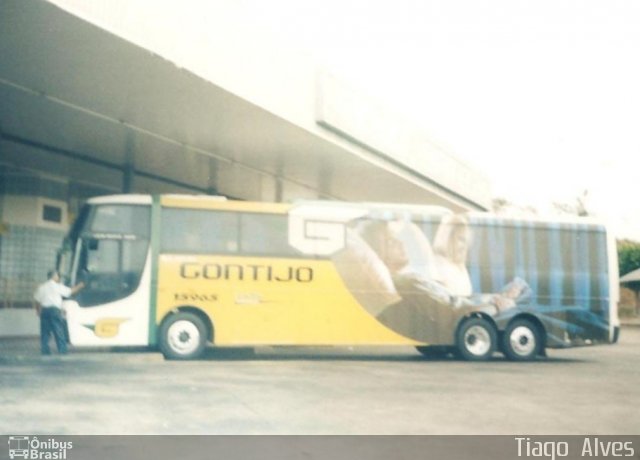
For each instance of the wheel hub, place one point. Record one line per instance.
(477, 340)
(183, 337)
(523, 341)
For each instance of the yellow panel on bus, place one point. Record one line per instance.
(254, 301)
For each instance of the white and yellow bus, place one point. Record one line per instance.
(178, 272)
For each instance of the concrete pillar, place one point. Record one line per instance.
(212, 186)
(279, 192)
(128, 170)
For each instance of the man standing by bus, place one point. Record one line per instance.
(49, 297)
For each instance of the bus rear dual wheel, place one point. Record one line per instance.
(183, 336)
(522, 340)
(477, 339)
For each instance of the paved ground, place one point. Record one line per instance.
(324, 391)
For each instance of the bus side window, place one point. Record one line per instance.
(265, 234)
(192, 231)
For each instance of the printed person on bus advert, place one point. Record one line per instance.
(425, 309)
(416, 290)
(451, 246)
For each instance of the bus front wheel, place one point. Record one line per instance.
(521, 340)
(476, 339)
(182, 336)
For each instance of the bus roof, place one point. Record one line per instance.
(121, 199)
(538, 219)
(222, 203)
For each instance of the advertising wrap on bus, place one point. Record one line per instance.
(179, 271)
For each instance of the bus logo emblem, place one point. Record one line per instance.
(106, 328)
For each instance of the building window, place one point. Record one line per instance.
(52, 214)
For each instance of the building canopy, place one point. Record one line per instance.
(82, 102)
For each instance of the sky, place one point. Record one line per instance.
(543, 96)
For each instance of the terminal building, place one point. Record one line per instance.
(95, 99)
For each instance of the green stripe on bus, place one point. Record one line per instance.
(155, 251)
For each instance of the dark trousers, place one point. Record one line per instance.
(52, 322)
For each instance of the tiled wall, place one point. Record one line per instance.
(26, 254)
(27, 251)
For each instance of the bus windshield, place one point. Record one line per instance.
(109, 246)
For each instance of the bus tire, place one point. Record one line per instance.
(476, 339)
(183, 336)
(521, 340)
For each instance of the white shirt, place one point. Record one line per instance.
(455, 277)
(50, 294)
